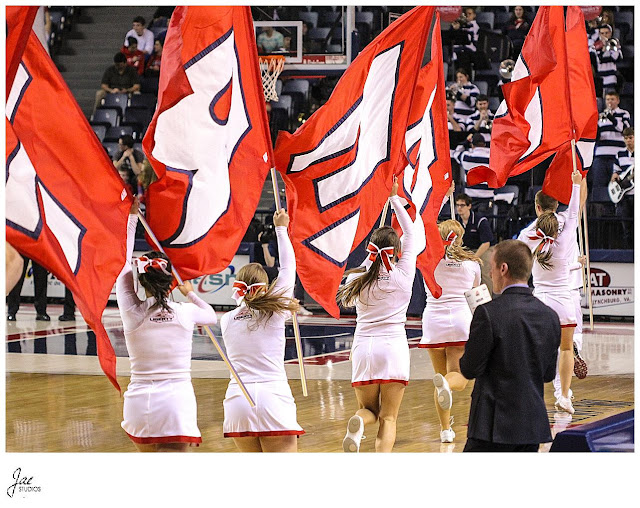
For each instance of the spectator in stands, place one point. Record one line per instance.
(477, 155)
(118, 78)
(613, 120)
(142, 35)
(465, 93)
(135, 57)
(605, 53)
(152, 72)
(621, 167)
(516, 29)
(270, 40)
(482, 120)
(464, 34)
(128, 162)
(146, 177)
(593, 26)
(162, 15)
(455, 121)
(477, 234)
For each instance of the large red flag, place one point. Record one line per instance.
(66, 205)
(532, 123)
(19, 23)
(584, 110)
(209, 139)
(338, 165)
(427, 177)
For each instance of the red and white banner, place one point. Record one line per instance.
(542, 106)
(427, 177)
(338, 165)
(209, 140)
(66, 205)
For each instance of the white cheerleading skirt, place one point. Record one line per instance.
(562, 303)
(445, 326)
(379, 360)
(274, 413)
(161, 411)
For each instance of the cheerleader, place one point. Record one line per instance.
(553, 261)
(160, 412)
(446, 320)
(380, 290)
(254, 339)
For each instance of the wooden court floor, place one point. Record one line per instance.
(77, 413)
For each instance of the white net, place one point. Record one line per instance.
(270, 69)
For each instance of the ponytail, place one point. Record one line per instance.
(547, 231)
(451, 232)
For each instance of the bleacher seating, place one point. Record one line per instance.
(116, 101)
(111, 147)
(108, 116)
(115, 133)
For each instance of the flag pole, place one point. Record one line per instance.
(385, 210)
(452, 206)
(207, 328)
(294, 315)
(586, 249)
(580, 244)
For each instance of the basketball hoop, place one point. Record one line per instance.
(270, 68)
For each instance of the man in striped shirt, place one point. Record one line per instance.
(482, 120)
(465, 38)
(605, 60)
(613, 120)
(477, 155)
(624, 209)
(466, 94)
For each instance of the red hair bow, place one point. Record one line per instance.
(546, 241)
(143, 263)
(240, 289)
(451, 237)
(386, 254)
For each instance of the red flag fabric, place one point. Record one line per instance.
(533, 121)
(584, 110)
(19, 23)
(209, 140)
(338, 165)
(66, 205)
(427, 177)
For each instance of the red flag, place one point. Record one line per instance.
(584, 110)
(338, 165)
(427, 177)
(533, 121)
(66, 205)
(19, 23)
(209, 139)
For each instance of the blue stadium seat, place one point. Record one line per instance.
(117, 101)
(138, 115)
(146, 100)
(297, 86)
(328, 18)
(112, 148)
(106, 115)
(283, 102)
(483, 86)
(310, 18)
(115, 133)
(100, 130)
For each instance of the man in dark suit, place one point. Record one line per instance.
(512, 351)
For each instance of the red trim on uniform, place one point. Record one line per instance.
(265, 434)
(379, 382)
(165, 439)
(569, 325)
(444, 344)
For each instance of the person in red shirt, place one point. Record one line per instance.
(153, 65)
(135, 57)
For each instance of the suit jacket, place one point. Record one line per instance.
(512, 351)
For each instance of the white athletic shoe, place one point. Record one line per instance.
(564, 404)
(448, 435)
(444, 392)
(355, 429)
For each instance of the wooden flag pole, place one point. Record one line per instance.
(452, 206)
(580, 244)
(385, 210)
(586, 250)
(207, 329)
(294, 315)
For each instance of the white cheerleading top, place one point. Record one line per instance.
(256, 350)
(563, 251)
(382, 308)
(158, 342)
(454, 277)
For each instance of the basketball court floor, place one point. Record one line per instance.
(58, 400)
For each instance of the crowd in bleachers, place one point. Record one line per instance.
(480, 49)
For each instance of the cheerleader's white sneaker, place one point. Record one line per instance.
(447, 436)
(355, 429)
(564, 404)
(444, 392)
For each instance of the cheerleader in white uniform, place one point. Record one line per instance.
(551, 275)
(160, 411)
(380, 291)
(545, 203)
(254, 339)
(446, 320)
